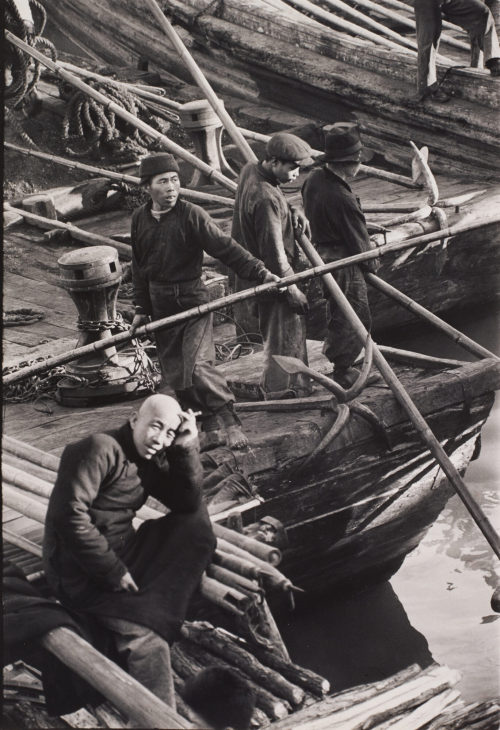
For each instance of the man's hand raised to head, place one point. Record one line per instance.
(187, 430)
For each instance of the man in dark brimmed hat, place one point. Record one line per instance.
(339, 230)
(169, 236)
(263, 222)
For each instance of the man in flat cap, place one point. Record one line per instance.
(263, 222)
(169, 236)
(338, 230)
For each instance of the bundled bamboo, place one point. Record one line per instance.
(265, 552)
(30, 453)
(409, 22)
(273, 706)
(397, 38)
(235, 580)
(238, 657)
(237, 565)
(225, 597)
(269, 574)
(17, 462)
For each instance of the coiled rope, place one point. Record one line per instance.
(89, 129)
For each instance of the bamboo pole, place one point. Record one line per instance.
(405, 401)
(458, 337)
(241, 296)
(129, 696)
(196, 195)
(202, 82)
(79, 234)
(266, 552)
(171, 146)
(409, 22)
(337, 5)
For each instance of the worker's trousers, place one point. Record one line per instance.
(473, 16)
(144, 654)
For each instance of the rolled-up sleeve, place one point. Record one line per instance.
(226, 249)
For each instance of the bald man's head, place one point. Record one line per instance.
(154, 425)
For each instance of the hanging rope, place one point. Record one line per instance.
(17, 62)
(21, 74)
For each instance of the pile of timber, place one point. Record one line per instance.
(285, 693)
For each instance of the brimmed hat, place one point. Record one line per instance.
(289, 147)
(342, 142)
(156, 164)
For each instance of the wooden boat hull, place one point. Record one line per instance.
(268, 51)
(358, 508)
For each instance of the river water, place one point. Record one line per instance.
(437, 606)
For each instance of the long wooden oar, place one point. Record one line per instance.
(171, 146)
(196, 195)
(458, 337)
(202, 82)
(404, 399)
(241, 296)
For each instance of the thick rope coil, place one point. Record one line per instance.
(88, 128)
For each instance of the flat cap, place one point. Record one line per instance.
(289, 147)
(342, 142)
(156, 164)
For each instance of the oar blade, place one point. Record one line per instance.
(290, 365)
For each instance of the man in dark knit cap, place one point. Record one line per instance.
(263, 222)
(134, 584)
(338, 230)
(169, 236)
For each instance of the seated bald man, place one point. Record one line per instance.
(136, 583)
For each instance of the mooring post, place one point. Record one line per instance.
(205, 129)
